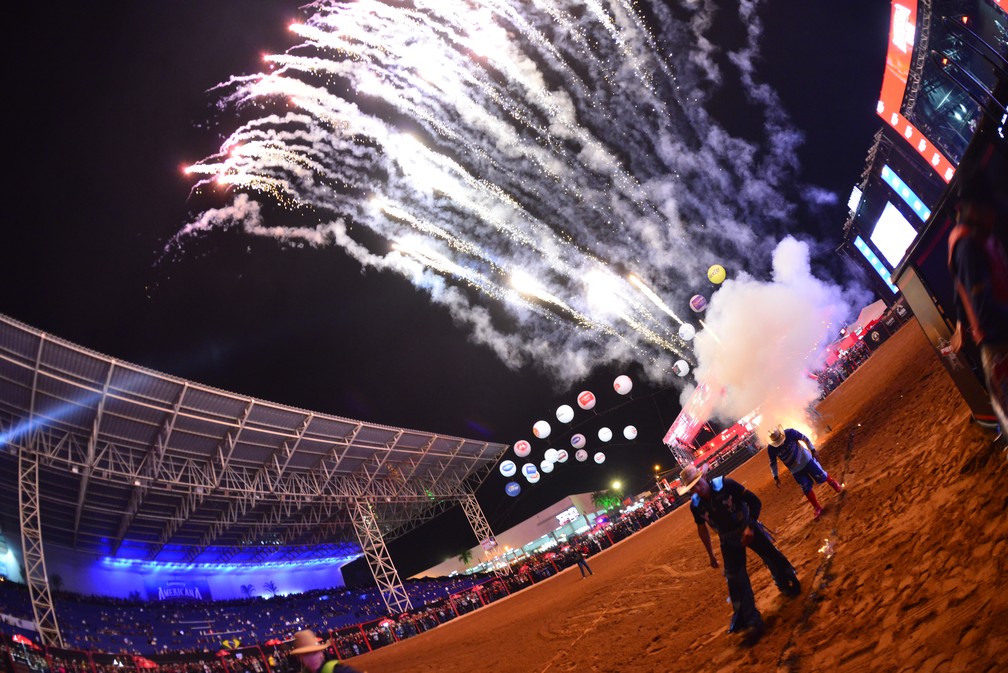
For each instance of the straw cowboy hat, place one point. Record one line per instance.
(777, 436)
(690, 475)
(306, 641)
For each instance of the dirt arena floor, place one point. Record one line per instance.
(917, 580)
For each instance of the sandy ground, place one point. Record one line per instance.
(916, 581)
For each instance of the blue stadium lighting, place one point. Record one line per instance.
(155, 566)
(905, 193)
(876, 263)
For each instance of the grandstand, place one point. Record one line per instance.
(167, 486)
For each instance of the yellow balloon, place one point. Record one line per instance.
(716, 274)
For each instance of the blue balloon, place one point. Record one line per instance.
(512, 488)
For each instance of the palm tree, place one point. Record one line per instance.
(247, 589)
(606, 499)
(465, 557)
(271, 587)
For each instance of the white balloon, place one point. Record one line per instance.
(522, 448)
(581, 455)
(578, 440)
(508, 468)
(564, 413)
(630, 432)
(541, 429)
(528, 469)
(586, 400)
(561, 456)
(605, 434)
(550, 456)
(599, 457)
(623, 384)
(533, 478)
(686, 331)
(546, 466)
(681, 368)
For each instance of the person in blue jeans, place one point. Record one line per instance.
(582, 563)
(802, 461)
(733, 511)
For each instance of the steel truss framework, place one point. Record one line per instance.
(137, 464)
(31, 544)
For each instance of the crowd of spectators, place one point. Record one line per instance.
(105, 635)
(846, 364)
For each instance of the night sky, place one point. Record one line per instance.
(109, 101)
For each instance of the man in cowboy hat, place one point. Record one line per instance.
(733, 511)
(312, 654)
(803, 461)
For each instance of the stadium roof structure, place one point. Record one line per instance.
(132, 463)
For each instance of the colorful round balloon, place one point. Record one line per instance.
(512, 488)
(550, 456)
(630, 432)
(581, 455)
(541, 429)
(698, 303)
(716, 274)
(529, 469)
(681, 368)
(508, 468)
(623, 385)
(599, 457)
(586, 400)
(561, 456)
(686, 331)
(533, 478)
(546, 466)
(564, 413)
(522, 448)
(604, 434)
(578, 440)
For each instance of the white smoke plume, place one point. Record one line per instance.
(762, 339)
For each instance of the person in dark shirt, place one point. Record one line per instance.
(582, 563)
(312, 654)
(733, 511)
(978, 262)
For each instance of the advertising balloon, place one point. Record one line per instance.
(529, 469)
(581, 455)
(561, 456)
(578, 440)
(522, 448)
(605, 434)
(550, 456)
(623, 385)
(681, 368)
(512, 488)
(716, 274)
(586, 400)
(686, 331)
(508, 468)
(564, 413)
(630, 432)
(541, 429)
(698, 303)
(599, 457)
(534, 477)
(546, 466)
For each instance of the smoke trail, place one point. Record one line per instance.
(527, 155)
(770, 334)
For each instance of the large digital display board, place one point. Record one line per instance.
(899, 59)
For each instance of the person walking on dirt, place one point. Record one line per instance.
(802, 461)
(733, 511)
